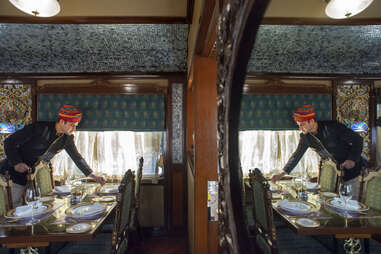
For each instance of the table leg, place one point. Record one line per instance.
(352, 246)
(29, 250)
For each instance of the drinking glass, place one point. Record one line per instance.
(345, 192)
(33, 201)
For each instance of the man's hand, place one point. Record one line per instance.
(98, 179)
(347, 164)
(21, 167)
(277, 177)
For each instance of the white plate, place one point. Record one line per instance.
(104, 199)
(308, 223)
(295, 206)
(78, 228)
(46, 199)
(329, 194)
(351, 206)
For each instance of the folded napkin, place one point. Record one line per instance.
(26, 211)
(89, 209)
(294, 206)
(63, 188)
(110, 189)
(312, 186)
(351, 204)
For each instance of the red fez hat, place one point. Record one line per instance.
(304, 113)
(69, 113)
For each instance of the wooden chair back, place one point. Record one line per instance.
(134, 214)
(44, 178)
(265, 233)
(5, 199)
(372, 193)
(125, 200)
(328, 176)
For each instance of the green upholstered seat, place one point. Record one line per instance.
(328, 176)
(44, 178)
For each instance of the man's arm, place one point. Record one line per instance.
(81, 163)
(294, 159)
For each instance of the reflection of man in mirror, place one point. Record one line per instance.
(39, 141)
(331, 140)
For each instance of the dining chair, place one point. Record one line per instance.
(134, 224)
(44, 178)
(328, 176)
(5, 198)
(118, 241)
(372, 196)
(269, 238)
(264, 229)
(125, 203)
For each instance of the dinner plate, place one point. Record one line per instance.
(104, 199)
(108, 190)
(47, 199)
(329, 194)
(84, 210)
(296, 207)
(47, 208)
(308, 223)
(352, 205)
(78, 228)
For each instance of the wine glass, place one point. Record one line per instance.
(345, 192)
(32, 199)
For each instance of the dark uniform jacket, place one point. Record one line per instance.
(35, 142)
(332, 140)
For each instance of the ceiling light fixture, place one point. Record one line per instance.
(341, 9)
(38, 8)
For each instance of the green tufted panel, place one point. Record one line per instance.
(373, 193)
(274, 111)
(44, 180)
(3, 201)
(137, 112)
(259, 205)
(327, 178)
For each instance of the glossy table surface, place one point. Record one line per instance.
(53, 227)
(360, 225)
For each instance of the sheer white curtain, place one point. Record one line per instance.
(112, 152)
(270, 150)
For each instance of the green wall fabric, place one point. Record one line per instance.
(105, 112)
(274, 111)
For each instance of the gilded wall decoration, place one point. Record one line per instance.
(353, 106)
(15, 108)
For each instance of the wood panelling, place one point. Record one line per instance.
(178, 198)
(205, 124)
(320, 21)
(94, 20)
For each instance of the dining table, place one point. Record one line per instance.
(60, 222)
(321, 213)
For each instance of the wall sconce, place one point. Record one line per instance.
(38, 8)
(341, 9)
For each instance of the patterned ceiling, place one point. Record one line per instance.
(317, 49)
(71, 48)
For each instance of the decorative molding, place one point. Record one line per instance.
(321, 21)
(236, 32)
(177, 123)
(282, 86)
(95, 20)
